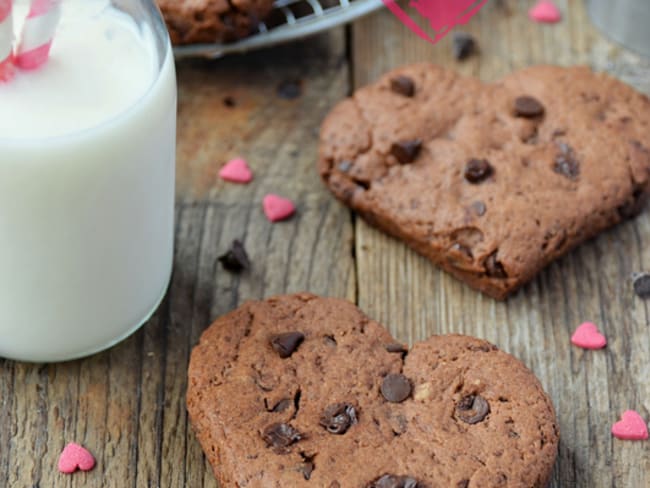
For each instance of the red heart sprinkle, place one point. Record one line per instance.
(75, 457)
(631, 427)
(277, 208)
(588, 336)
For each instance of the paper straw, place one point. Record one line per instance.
(6, 41)
(38, 33)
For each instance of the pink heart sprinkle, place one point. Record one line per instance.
(277, 208)
(75, 457)
(236, 171)
(631, 427)
(588, 336)
(545, 11)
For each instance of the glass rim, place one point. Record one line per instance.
(166, 56)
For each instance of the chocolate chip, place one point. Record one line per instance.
(403, 85)
(566, 166)
(308, 466)
(398, 348)
(236, 259)
(290, 89)
(345, 166)
(406, 151)
(472, 409)
(462, 484)
(638, 147)
(330, 340)
(461, 249)
(285, 344)
(634, 205)
(396, 388)
(307, 469)
(280, 436)
(477, 170)
(479, 208)
(394, 481)
(528, 107)
(566, 162)
(493, 268)
(641, 283)
(361, 183)
(229, 101)
(338, 417)
(463, 45)
(281, 406)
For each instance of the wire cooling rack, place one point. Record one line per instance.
(289, 20)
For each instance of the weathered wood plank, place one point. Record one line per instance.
(416, 300)
(127, 405)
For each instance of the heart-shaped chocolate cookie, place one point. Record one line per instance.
(304, 391)
(490, 181)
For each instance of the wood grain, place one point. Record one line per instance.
(127, 405)
(415, 300)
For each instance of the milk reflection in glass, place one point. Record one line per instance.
(87, 148)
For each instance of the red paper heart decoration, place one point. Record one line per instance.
(442, 15)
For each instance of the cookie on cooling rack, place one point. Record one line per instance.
(304, 391)
(212, 21)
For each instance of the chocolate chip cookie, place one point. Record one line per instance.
(491, 182)
(210, 21)
(304, 391)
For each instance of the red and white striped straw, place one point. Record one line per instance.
(6, 40)
(38, 33)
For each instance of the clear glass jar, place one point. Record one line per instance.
(87, 165)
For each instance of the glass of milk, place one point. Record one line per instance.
(87, 160)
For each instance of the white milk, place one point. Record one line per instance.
(87, 153)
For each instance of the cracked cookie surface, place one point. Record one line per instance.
(491, 182)
(306, 391)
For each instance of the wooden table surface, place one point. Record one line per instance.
(127, 404)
